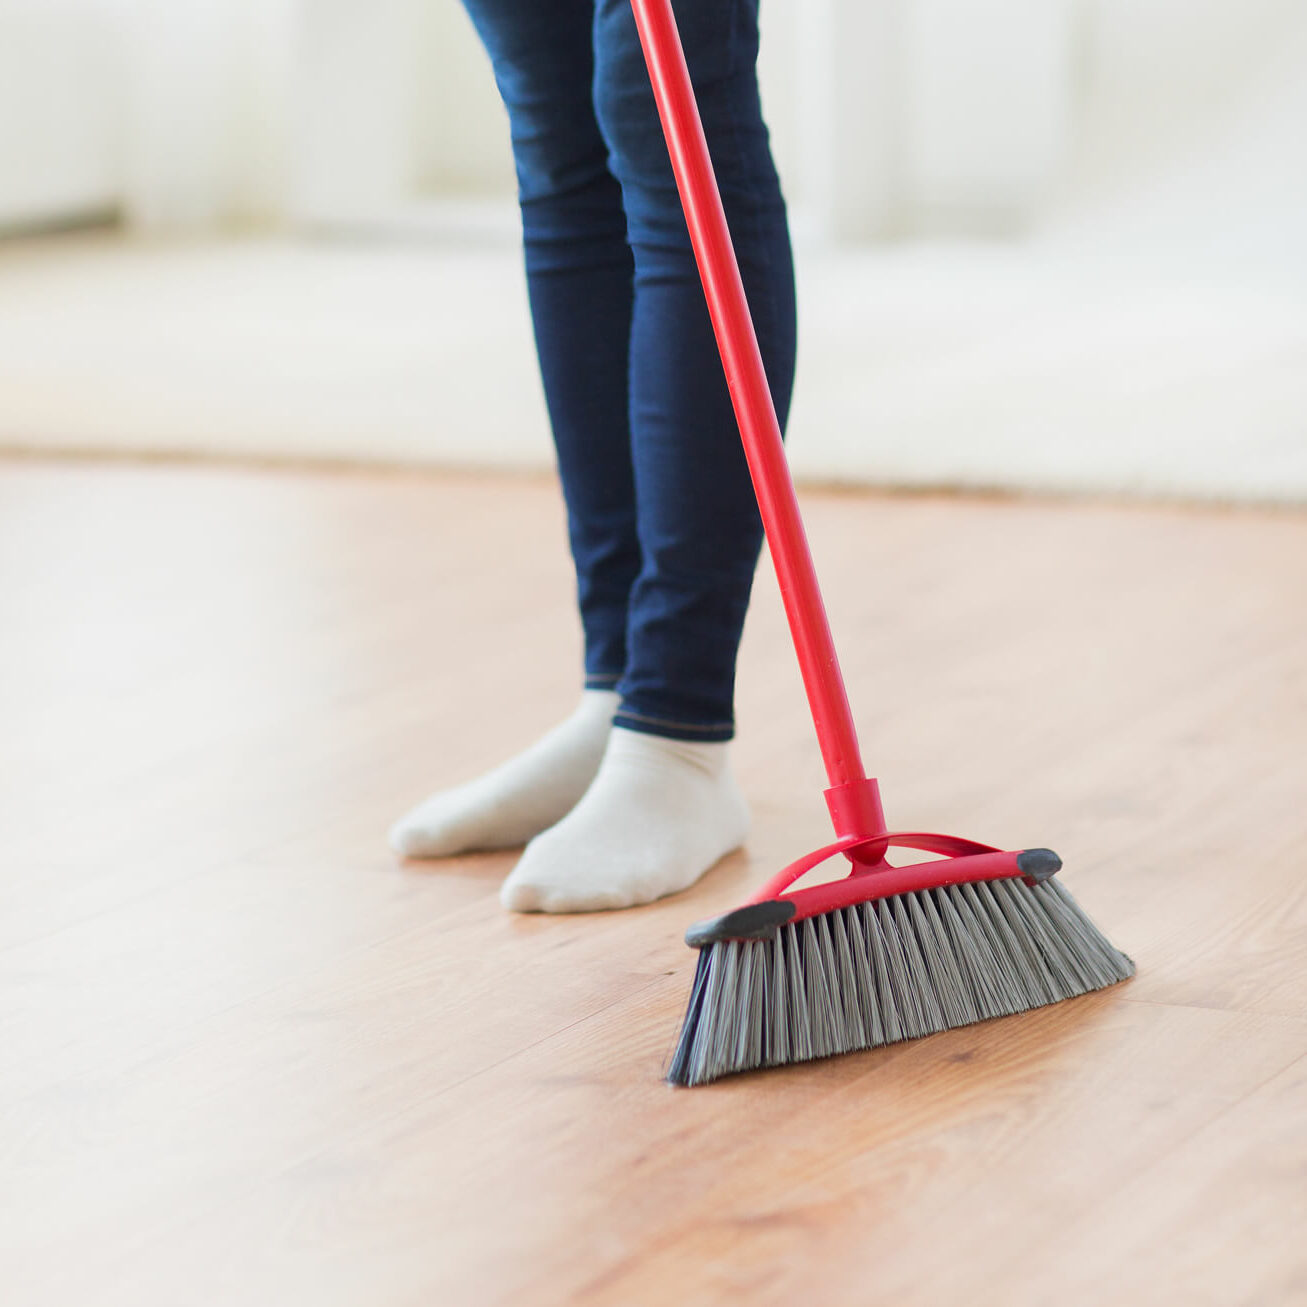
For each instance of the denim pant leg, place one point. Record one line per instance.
(579, 278)
(697, 518)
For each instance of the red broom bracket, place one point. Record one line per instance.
(855, 809)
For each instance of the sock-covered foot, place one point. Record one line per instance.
(518, 799)
(657, 816)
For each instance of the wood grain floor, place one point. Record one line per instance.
(247, 1058)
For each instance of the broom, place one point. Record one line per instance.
(886, 952)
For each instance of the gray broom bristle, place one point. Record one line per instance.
(889, 970)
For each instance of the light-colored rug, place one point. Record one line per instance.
(1035, 367)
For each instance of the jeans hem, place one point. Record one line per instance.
(712, 733)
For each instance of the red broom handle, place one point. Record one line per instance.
(750, 394)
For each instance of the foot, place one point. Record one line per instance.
(520, 798)
(657, 816)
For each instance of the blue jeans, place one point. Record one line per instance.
(662, 520)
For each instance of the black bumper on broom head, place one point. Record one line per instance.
(756, 921)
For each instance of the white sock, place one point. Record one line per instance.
(519, 798)
(657, 816)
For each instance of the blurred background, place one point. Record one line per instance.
(1043, 244)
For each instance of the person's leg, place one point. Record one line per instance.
(664, 806)
(698, 518)
(579, 277)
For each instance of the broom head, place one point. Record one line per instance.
(895, 957)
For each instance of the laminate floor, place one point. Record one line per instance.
(248, 1057)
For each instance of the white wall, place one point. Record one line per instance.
(61, 84)
(462, 140)
(890, 117)
(894, 118)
